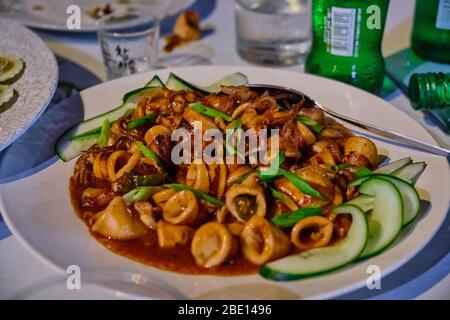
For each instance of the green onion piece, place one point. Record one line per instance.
(105, 133)
(141, 193)
(127, 113)
(278, 195)
(273, 170)
(198, 194)
(316, 127)
(343, 166)
(301, 184)
(146, 152)
(135, 123)
(236, 124)
(289, 219)
(209, 112)
(362, 172)
(241, 178)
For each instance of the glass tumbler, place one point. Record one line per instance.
(272, 32)
(129, 43)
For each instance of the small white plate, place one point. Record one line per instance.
(37, 209)
(52, 15)
(36, 86)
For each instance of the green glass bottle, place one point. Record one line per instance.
(347, 38)
(431, 32)
(429, 90)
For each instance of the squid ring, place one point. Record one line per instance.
(246, 199)
(113, 159)
(197, 177)
(212, 244)
(220, 177)
(262, 242)
(155, 131)
(182, 208)
(321, 236)
(99, 166)
(161, 197)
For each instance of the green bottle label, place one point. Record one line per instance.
(342, 31)
(443, 15)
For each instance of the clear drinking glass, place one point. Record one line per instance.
(273, 32)
(129, 43)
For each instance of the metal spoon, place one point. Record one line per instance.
(294, 95)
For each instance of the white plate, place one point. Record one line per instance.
(36, 86)
(38, 210)
(51, 14)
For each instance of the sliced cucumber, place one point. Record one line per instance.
(393, 166)
(386, 218)
(67, 148)
(155, 82)
(364, 202)
(387, 169)
(176, 83)
(360, 180)
(411, 172)
(11, 69)
(410, 198)
(8, 97)
(320, 260)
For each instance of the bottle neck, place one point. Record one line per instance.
(429, 90)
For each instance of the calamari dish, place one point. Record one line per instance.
(306, 216)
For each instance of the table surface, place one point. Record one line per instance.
(427, 276)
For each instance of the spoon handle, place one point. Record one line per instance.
(409, 141)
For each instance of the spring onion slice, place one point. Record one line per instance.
(105, 133)
(289, 219)
(277, 194)
(232, 150)
(198, 194)
(141, 193)
(301, 184)
(146, 152)
(241, 178)
(135, 123)
(210, 112)
(274, 170)
(362, 172)
(316, 127)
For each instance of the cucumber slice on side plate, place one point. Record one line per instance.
(174, 82)
(8, 97)
(11, 69)
(386, 218)
(319, 260)
(68, 148)
(364, 202)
